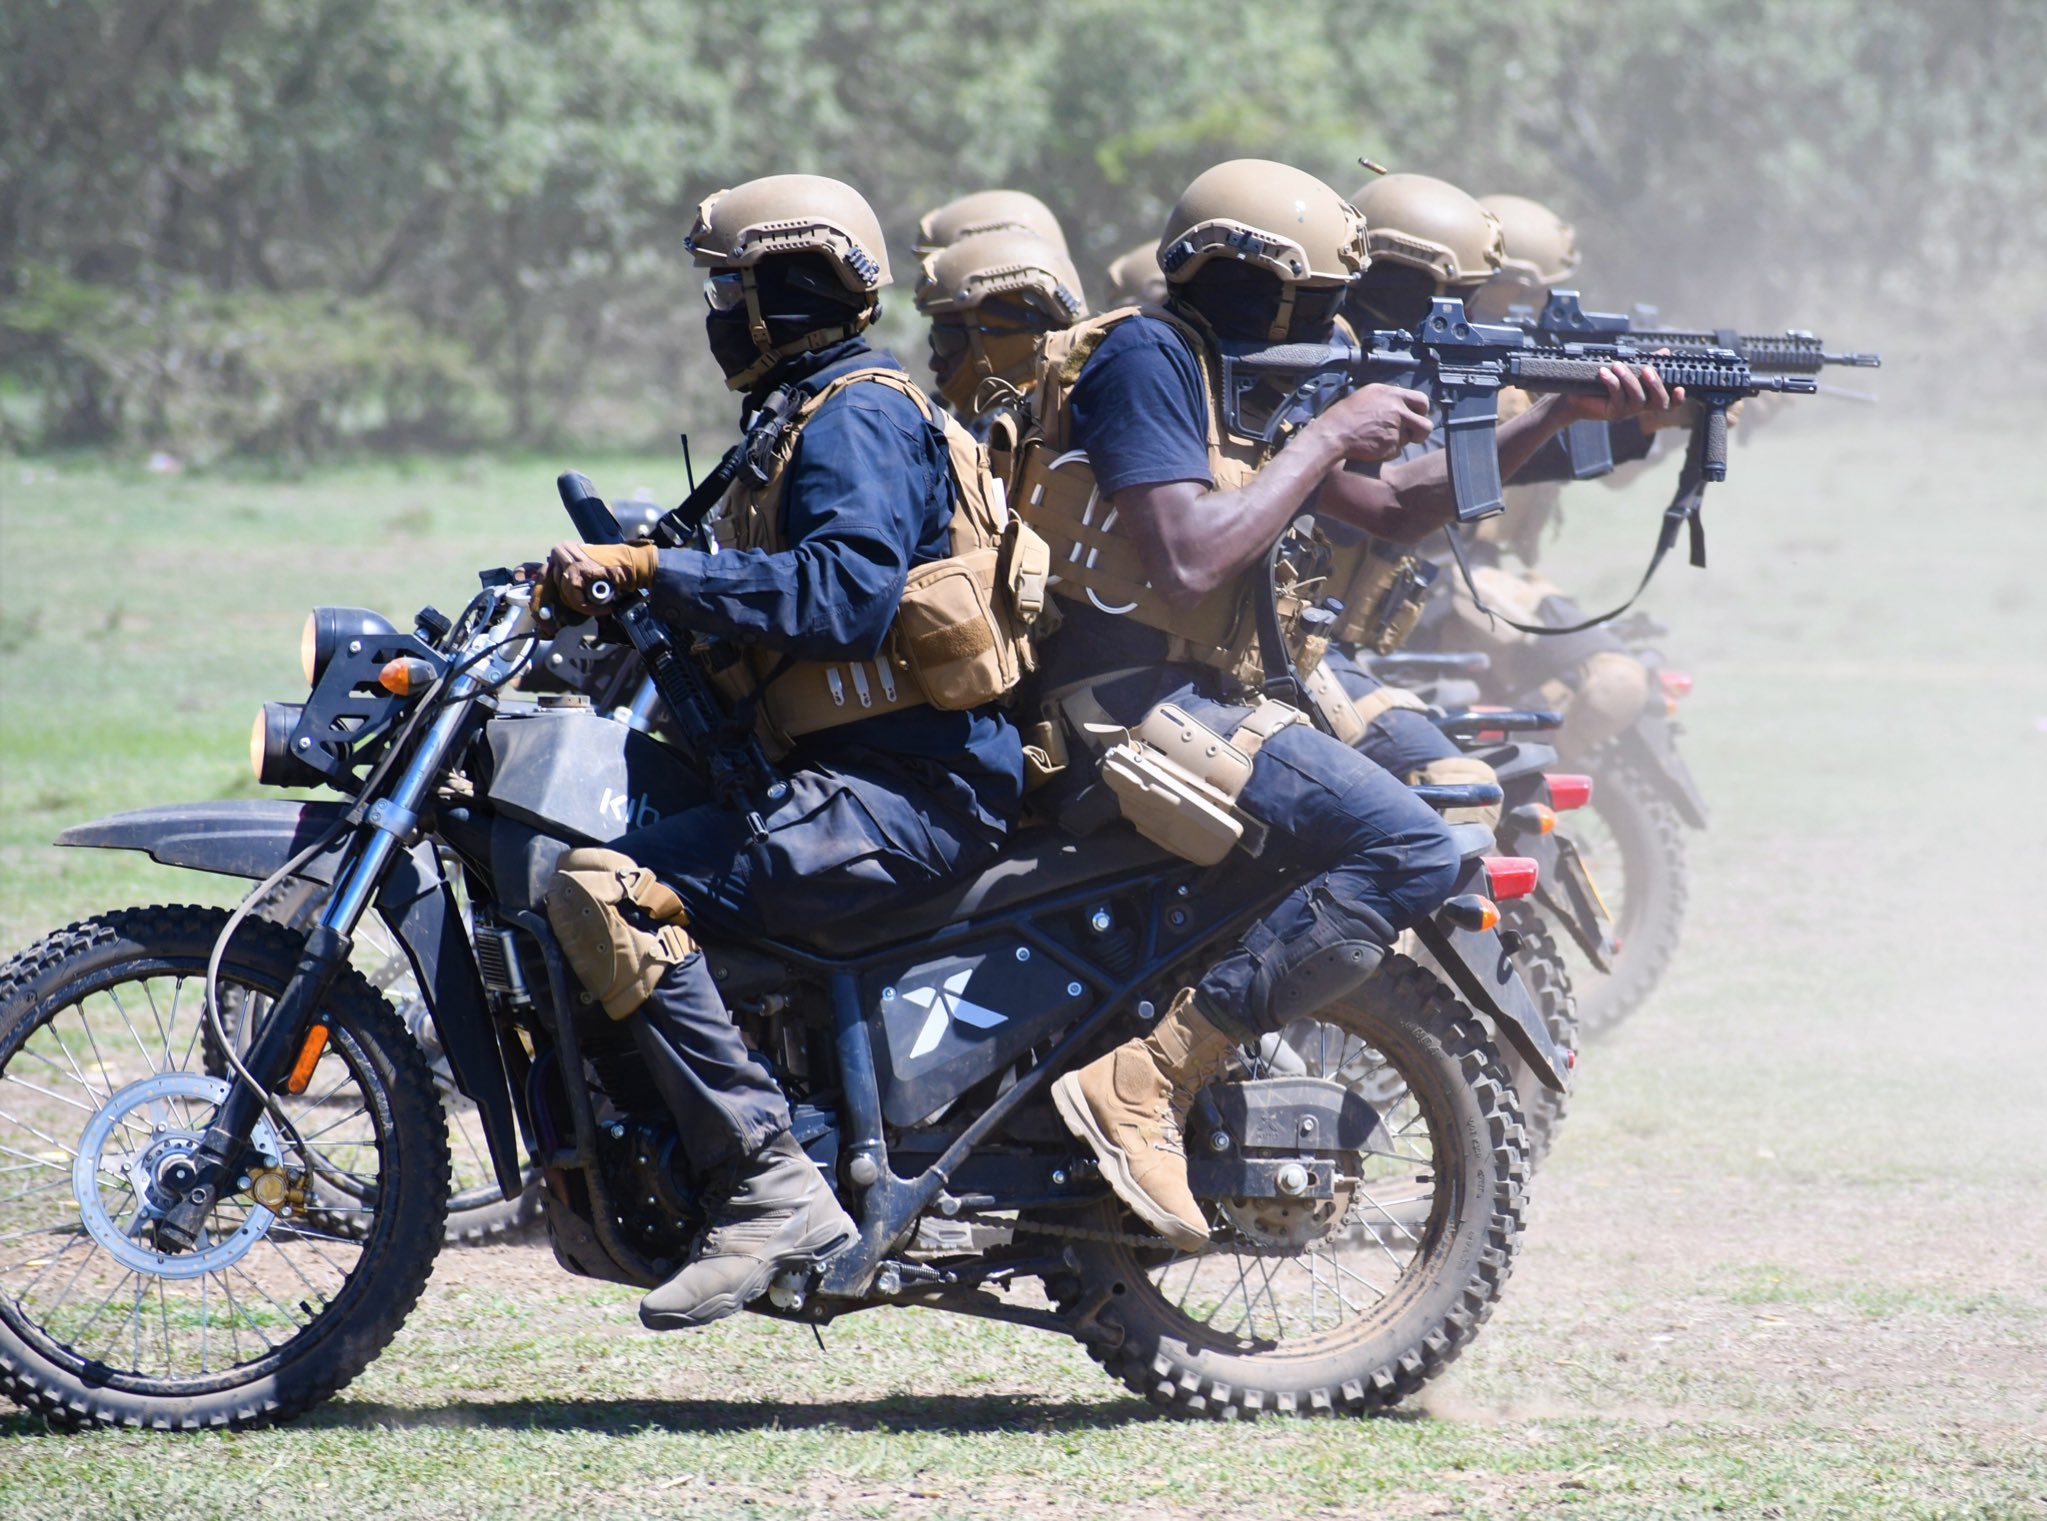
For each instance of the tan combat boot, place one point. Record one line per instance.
(1130, 1105)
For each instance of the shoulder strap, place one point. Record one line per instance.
(1683, 511)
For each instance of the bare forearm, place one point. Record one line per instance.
(1211, 537)
(1413, 497)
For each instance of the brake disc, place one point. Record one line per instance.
(142, 1112)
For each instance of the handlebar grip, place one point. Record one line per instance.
(1713, 462)
(593, 520)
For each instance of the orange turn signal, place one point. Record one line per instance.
(1471, 911)
(309, 1058)
(405, 675)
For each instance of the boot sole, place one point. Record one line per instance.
(719, 1306)
(1115, 1163)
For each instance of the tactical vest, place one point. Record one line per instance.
(961, 634)
(1093, 559)
(1383, 587)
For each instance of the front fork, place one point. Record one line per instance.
(386, 828)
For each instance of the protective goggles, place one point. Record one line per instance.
(725, 290)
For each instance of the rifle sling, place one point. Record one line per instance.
(1684, 508)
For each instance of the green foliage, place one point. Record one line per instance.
(473, 211)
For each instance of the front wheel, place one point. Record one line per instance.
(104, 1088)
(1314, 1309)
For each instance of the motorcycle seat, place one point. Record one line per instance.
(1038, 863)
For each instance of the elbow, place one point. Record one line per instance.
(1184, 586)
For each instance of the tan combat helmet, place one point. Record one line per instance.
(991, 295)
(788, 214)
(1542, 248)
(988, 211)
(1429, 224)
(1266, 216)
(1135, 278)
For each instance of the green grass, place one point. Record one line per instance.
(1788, 1259)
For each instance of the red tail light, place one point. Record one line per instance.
(1510, 876)
(1567, 791)
(1675, 683)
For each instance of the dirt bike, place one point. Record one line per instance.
(191, 1099)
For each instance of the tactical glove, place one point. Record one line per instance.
(573, 569)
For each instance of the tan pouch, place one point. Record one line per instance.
(949, 632)
(1044, 752)
(619, 926)
(1338, 712)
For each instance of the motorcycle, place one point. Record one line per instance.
(194, 1101)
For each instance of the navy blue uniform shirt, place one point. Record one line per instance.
(866, 496)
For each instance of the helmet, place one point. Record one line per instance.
(1429, 224)
(988, 211)
(1136, 279)
(1269, 216)
(990, 296)
(788, 214)
(1542, 248)
(1019, 265)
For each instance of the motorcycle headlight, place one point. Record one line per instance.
(270, 753)
(328, 630)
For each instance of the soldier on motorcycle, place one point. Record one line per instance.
(1260, 252)
(885, 796)
(990, 297)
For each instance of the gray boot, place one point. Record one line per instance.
(780, 1214)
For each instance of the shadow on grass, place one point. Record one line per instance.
(961, 1415)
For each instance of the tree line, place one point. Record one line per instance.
(286, 226)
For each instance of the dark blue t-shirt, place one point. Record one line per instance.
(866, 496)
(1140, 411)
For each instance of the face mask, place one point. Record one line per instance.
(731, 340)
(1393, 296)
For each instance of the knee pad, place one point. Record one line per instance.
(1611, 690)
(1460, 771)
(1340, 947)
(619, 926)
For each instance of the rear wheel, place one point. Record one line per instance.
(1540, 961)
(1633, 844)
(1305, 1309)
(104, 1086)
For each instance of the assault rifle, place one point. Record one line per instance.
(1465, 364)
(1563, 320)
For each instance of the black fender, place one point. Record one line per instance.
(1566, 889)
(1651, 744)
(1483, 972)
(252, 839)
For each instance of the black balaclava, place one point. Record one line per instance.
(1237, 303)
(799, 294)
(1391, 295)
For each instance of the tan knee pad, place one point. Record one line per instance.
(1460, 771)
(619, 926)
(1611, 692)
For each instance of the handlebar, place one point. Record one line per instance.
(586, 509)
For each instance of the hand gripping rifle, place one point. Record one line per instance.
(1563, 320)
(1466, 363)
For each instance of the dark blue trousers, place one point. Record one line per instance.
(847, 840)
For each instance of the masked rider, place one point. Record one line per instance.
(990, 297)
(1157, 548)
(1591, 676)
(856, 488)
(1425, 238)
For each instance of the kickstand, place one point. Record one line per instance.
(814, 1331)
